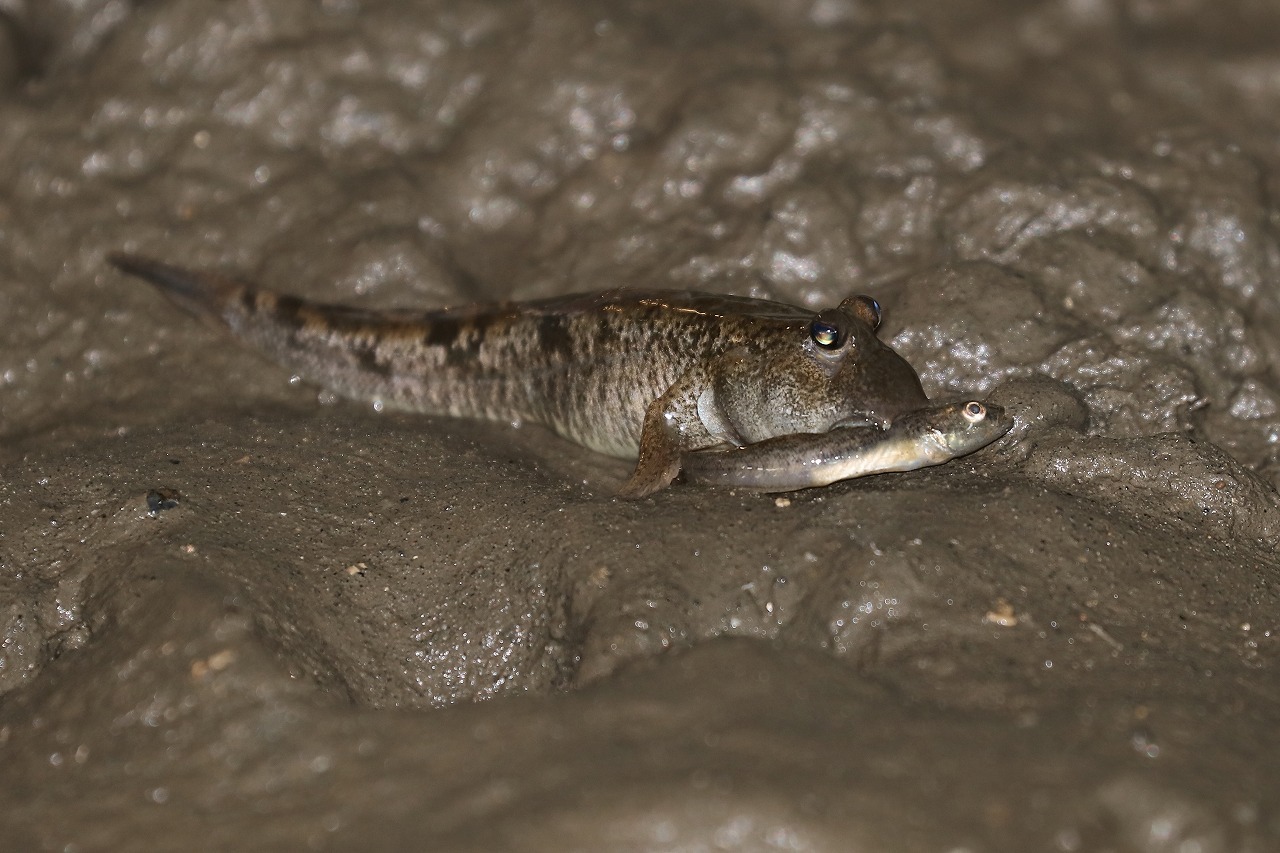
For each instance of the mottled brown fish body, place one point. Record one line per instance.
(593, 368)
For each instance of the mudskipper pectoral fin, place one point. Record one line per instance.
(659, 461)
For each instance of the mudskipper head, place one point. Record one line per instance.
(812, 374)
(867, 381)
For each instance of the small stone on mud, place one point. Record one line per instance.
(159, 500)
(1002, 614)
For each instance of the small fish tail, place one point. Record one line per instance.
(199, 293)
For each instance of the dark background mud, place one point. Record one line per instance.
(377, 631)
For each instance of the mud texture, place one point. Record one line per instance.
(236, 614)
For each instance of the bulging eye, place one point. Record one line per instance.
(974, 412)
(864, 309)
(826, 335)
(869, 312)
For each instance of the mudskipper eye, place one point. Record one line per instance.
(974, 412)
(826, 335)
(864, 309)
(869, 312)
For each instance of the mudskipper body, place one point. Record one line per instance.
(640, 375)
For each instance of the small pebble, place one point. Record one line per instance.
(159, 500)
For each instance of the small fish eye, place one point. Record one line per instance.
(974, 412)
(826, 335)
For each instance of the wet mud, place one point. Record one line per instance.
(236, 613)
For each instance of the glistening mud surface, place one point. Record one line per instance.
(374, 631)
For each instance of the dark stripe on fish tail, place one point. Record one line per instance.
(288, 309)
(554, 337)
(461, 339)
(249, 301)
(442, 333)
(369, 361)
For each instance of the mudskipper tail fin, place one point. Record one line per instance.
(200, 293)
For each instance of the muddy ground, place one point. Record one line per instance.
(239, 614)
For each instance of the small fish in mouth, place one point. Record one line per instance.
(927, 436)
